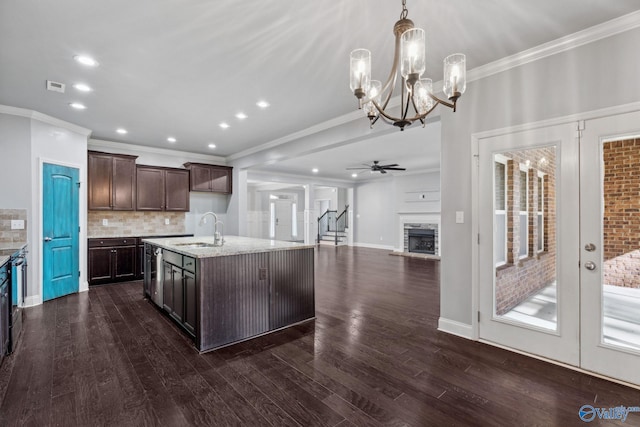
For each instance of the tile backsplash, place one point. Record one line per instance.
(130, 224)
(7, 235)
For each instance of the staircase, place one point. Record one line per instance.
(332, 228)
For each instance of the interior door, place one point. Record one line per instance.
(610, 246)
(528, 242)
(283, 219)
(60, 267)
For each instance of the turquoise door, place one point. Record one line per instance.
(60, 264)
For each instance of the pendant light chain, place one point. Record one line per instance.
(405, 12)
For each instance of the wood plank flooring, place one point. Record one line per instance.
(373, 357)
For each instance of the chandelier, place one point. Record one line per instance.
(416, 92)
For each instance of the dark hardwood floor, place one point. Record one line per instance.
(372, 357)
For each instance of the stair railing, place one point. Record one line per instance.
(332, 222)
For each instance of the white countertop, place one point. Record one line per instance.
(8, 249)
(233, 245)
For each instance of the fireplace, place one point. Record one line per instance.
(421, 241)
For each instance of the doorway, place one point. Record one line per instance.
(60, 230)
(558, 252)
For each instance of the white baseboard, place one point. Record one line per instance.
(455, 328)
(372, 246)
(84, 287)
(33, 301)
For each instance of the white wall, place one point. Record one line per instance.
(378, 204)
(15, 173)
(594, 76)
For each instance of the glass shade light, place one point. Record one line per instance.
(412, 52)
(360, 69)
(375, 90)
(422, 89)
(455, 75)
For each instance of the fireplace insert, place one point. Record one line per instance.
(422, 241)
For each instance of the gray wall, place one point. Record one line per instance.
(598, 75)
(15, 143)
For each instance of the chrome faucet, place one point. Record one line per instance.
(218, 238)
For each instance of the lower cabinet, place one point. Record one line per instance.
(112, 260)
(5, 308)
(179, 290)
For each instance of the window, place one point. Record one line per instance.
(524, 212)
(540, 212)
(500, 206)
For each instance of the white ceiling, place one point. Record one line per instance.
(179, 68)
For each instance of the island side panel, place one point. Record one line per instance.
(291, 273)
(233, 299)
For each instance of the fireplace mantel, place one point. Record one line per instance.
(415, 218)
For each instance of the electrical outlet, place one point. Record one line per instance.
(166, 221)
(17, 224)
(262, 273)
(105, 222)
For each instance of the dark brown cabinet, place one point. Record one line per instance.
(179, 289)
(5, 308)
(112, 260)
(162, 189)
(111, 181)
(210, 178)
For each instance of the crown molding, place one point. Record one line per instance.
(563, 44)
(35, 115)
(121, 147)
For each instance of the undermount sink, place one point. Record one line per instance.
(197, 245)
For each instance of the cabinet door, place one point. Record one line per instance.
(124, 263)
(167, 287)
(5, 312)
(100, 265)
(124, 184)
(178, 294)
(150, 189)
(190, 306)
(100, 171)
(200, 178)
(177, 190)
(140, 262)
(221, 180)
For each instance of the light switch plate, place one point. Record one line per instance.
(17, 224)
(459, 217)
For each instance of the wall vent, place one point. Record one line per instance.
(55, 86)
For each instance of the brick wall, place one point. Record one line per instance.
(131, 224)
(621, 221)
(523, 277)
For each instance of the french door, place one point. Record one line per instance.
(559, 243)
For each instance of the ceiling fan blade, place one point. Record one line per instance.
(352, 169)
(396, 169)
(388, 166)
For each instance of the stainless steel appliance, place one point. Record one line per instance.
(156, 283)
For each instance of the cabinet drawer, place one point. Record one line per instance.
(172, 258)
(112, 241)
(189, 264)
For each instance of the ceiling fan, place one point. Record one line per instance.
(377, 167)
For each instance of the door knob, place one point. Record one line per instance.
(590, 265)
(48, 239)
(589, 247)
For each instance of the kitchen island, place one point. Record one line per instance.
(225, 294)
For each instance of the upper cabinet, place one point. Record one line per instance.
(112, 180)
(162, 189)
(210, 178)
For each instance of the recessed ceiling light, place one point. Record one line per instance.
(314, 170)
(262, 104)
(241, 116)
(171, 139)
(78, 106)
(121, 131)
(354, 175)
(212, 145)
(86, 60)
(224, 125)
(82, 87)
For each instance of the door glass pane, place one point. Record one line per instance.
(621, 243)
(524, 237)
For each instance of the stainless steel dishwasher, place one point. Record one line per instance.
(156, 283)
